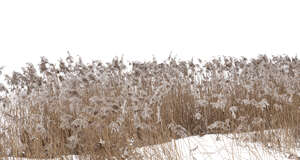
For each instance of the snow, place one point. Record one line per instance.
(209, 147)
(212, 147)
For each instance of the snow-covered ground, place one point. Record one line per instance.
(214, 147)
(210, 147)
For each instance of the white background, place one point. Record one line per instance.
(139, 29)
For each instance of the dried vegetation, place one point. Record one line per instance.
(107, 110)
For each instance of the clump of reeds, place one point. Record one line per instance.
(107, 110)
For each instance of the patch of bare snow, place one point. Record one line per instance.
(212, 147)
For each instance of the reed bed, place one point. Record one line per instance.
(107, 110)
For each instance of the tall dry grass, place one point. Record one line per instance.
(107, 110)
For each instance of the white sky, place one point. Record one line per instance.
(139, 29)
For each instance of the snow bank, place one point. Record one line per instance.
(212, 147)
